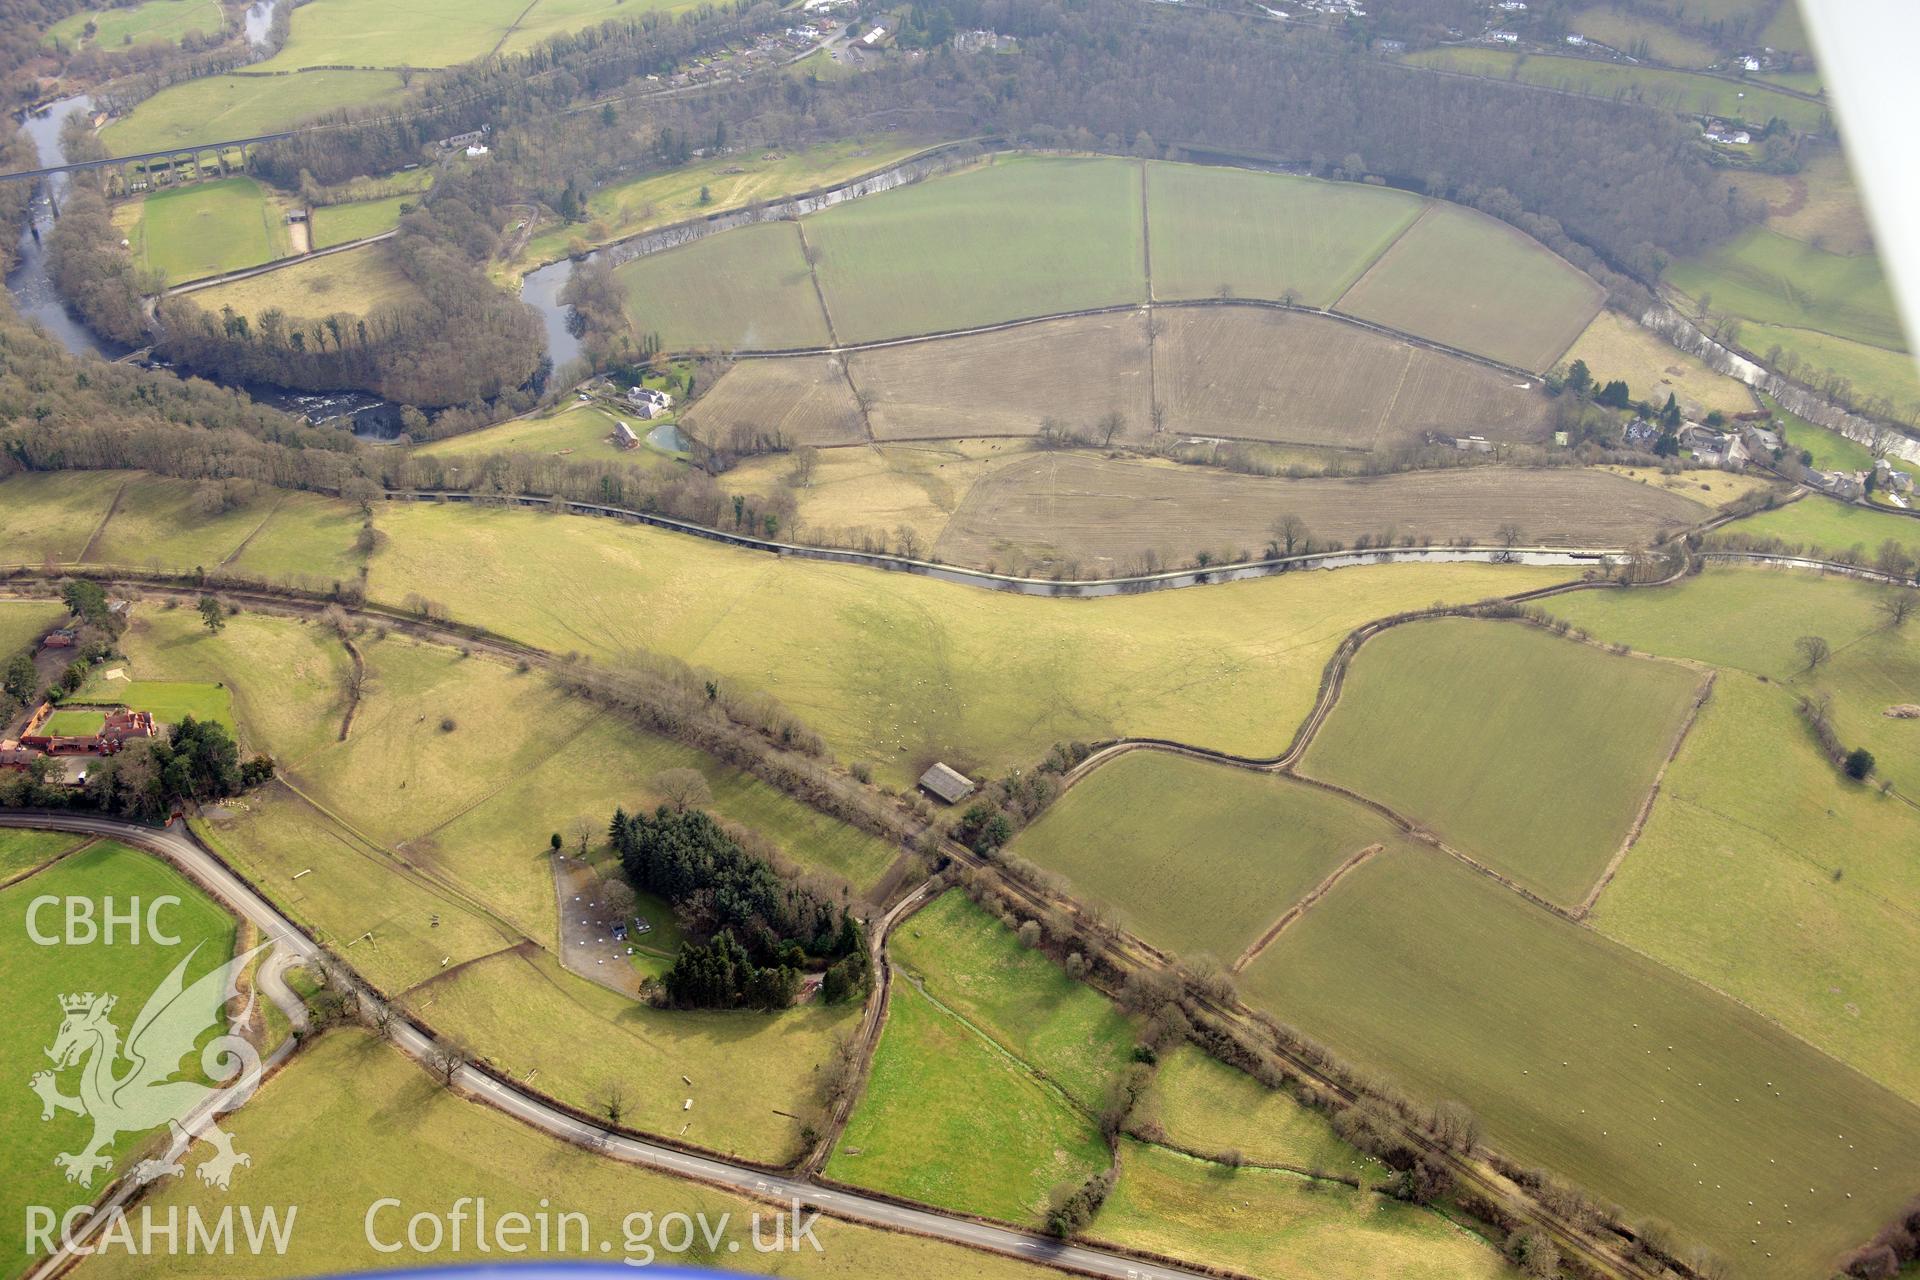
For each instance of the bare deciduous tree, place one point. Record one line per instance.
(805, 460)
(446, 1059)
(1813, 651)
(1899, 606)
(1289, 531)
(1456, 1125)
(683, 789)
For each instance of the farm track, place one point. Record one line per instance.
(294, 260)
(358, 682)
(873, 1021)
(1301, 907)
(100, 530)
(1646, 805)
(253, 533)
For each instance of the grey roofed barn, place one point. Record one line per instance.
(949, 784)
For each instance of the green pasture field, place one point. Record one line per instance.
(1195, 857)
(35, 978)
(350, 1121)
(376, 33)
(23, 622)
(355, 282)
(1873, 371)
(1679, 91)
(209, 228)
(950, 1120)
(439, 33)
(307, 541)
(752, 1072)
(285, 679)
(1584, 1057)
(731, 181)
(435, 735)
(983, 680)
(1461, 278)
(51, 515)
(1274, 1223)
(1529, 752)
(1804, 81)
(971, 963)
(548, 18)
(22, 851)
(240, 106)
(1263, 235)
(1827, 524)
(74, 722)
(746, 288)
(1019, 237)
(1766, 875)
(338, 223)
(1622, 29)
(394, 924)
(116, 28)
(168, 701)
(1773, 280)
(1208, 1107)
(158, 524)
(1749, 619)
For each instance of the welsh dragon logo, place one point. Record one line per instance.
(132, 1087)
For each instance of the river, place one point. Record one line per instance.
(541, 290)
(28, 282)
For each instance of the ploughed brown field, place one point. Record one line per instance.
(805, 398)
(1008, 383)
(1233, 372)
(1253, 373)
(1104, 514)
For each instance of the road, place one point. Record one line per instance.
(178, 845)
